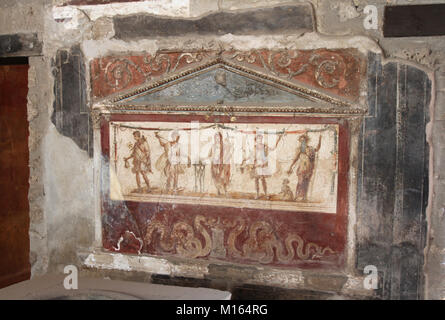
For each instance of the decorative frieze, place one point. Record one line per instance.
(336, 72)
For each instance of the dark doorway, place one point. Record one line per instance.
(14, 172)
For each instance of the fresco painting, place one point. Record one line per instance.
(249, 165)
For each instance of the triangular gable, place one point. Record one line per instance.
(219, 86)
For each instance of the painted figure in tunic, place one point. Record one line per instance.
(260, 170)
(220, 156)
(306, 154)
(140, 153)
(169, 161)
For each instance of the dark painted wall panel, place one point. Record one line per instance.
(20, 45)
(71, 116)
(414, 20)
(283, 19)
(394, 172)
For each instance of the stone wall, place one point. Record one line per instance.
(63, 202)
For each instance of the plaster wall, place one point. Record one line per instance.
(62, 199)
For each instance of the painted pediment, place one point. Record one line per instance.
(220, 85)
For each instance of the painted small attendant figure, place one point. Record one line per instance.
(306, 154)
(286, 192)
(140, 153)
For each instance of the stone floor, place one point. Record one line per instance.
(50, 287)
